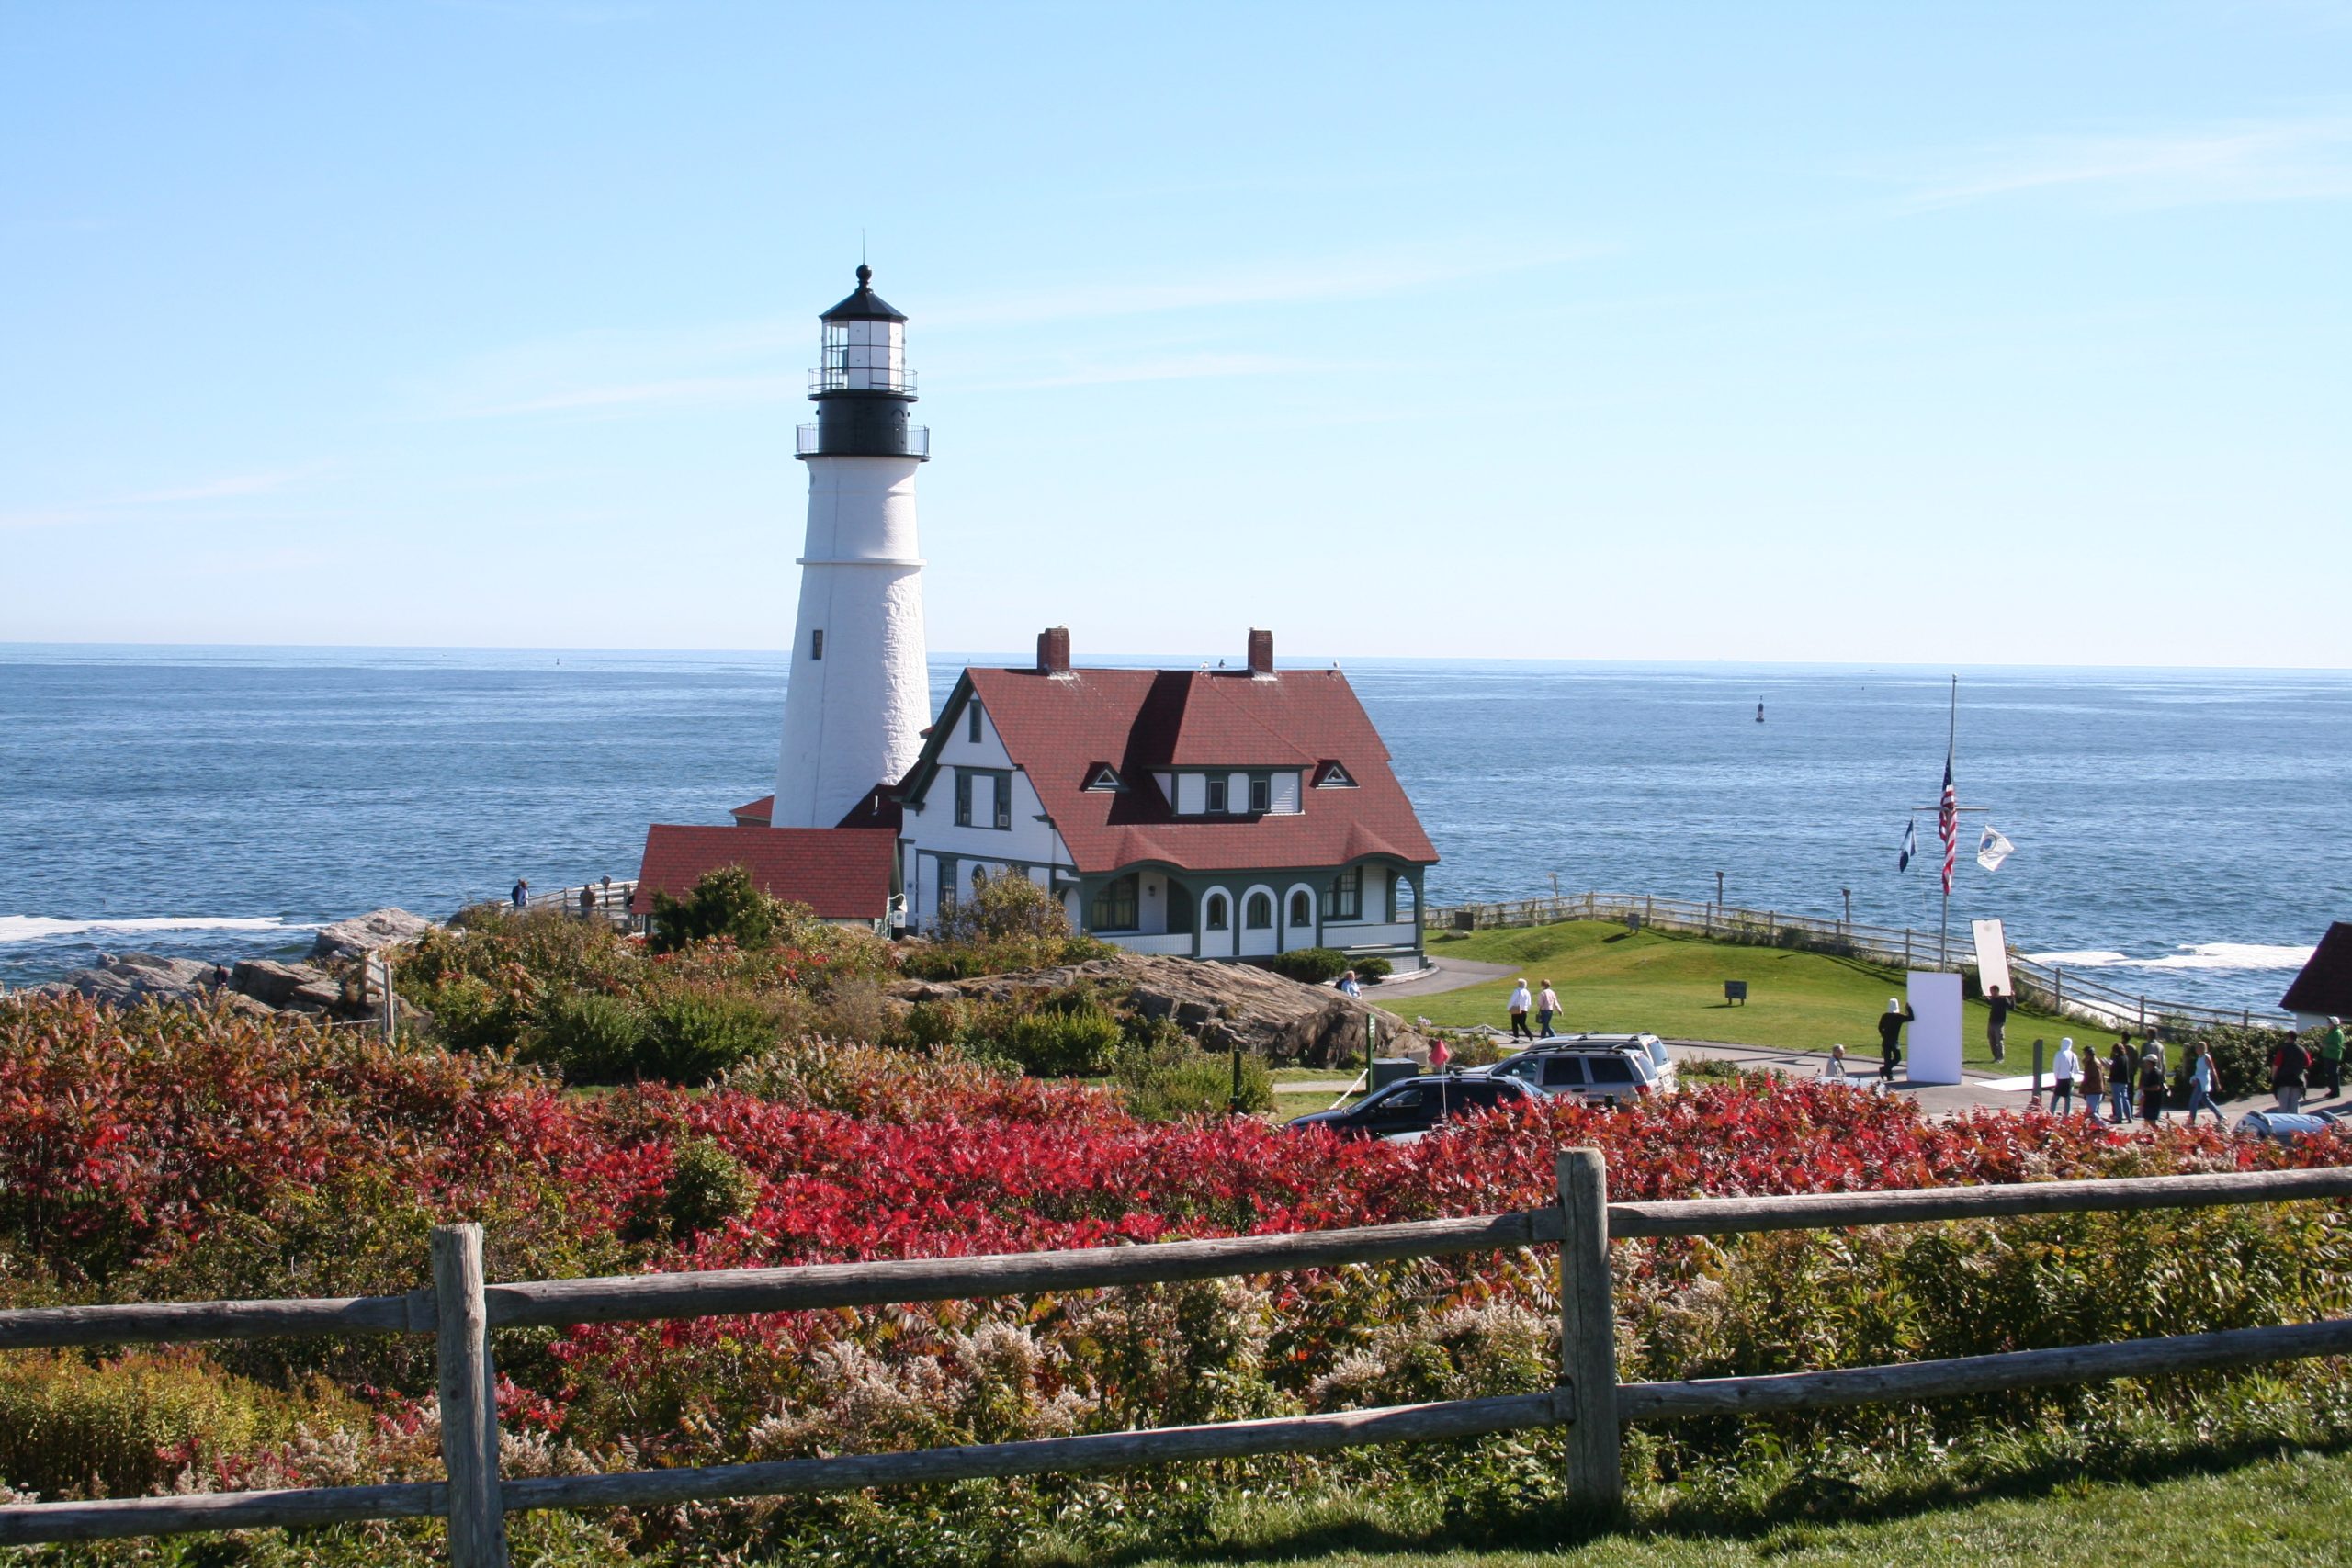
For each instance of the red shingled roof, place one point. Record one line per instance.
(1055, 726)
(844, 873)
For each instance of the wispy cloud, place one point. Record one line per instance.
(614, 374)
(171, 501)
(1168, 367)
(2307, 159)
(1265, 281)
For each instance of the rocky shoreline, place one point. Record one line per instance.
(326, 983)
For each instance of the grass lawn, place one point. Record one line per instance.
(1673, 985)
(2265, 1513)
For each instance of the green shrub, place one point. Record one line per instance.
(693, 1036)
(1005, 924)
(1059, 1040)
(725, 903)
(1373, 968)
(1312, 965)
(708, 1187)
(1163, 1083)
(122, 1428)
(594, 1038)
(2241, 1056)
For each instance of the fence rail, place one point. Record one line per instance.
(462, 1310)
(2051, 986)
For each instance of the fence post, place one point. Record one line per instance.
(469, 1400)
(1589, 1332)
(1907, 947)
(2058, 992)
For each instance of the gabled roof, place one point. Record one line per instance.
(2325, 984)
(1054, 726)
(844, 873)
(878, 808)
(755, 813)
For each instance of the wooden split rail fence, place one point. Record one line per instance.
(464, 1310)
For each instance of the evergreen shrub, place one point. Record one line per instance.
(1310, 965)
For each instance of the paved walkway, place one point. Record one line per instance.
(1442, 974)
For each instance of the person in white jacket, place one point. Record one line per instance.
(1519, 1002)
(2063, 1072)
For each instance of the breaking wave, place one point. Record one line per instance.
(2210, 955)
(43, 928)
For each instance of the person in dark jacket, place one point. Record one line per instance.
(2290, 1069)
(1996, 1032)
(1890, 1037)
(2122, 1065)
(2152, 1088)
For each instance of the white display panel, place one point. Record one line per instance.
(1933, 1056)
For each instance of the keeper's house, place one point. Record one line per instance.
(1206, 814)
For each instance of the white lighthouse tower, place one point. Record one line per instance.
(861, 691)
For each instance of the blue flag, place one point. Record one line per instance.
(1910, 845)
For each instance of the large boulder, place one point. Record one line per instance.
(366, 933)
(127, 979)
(288, 987)
(1221, 1005)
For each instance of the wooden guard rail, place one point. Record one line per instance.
(462, 1310)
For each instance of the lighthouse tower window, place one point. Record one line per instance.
(817, 644)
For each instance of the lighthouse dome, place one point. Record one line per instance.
(864, 305)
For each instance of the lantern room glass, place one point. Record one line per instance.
(864, 356)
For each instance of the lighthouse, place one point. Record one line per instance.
(860, 695)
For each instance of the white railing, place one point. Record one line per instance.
(2044, 985)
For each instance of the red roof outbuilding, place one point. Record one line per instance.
(842, 874)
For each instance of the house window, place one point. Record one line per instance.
(1216, 794)
(1262, 794)
(963, 798)
(1346, 895)
(817, 643)
(946, 885)
(1258, 913)
(1302, 909)
(979, 880)
(972, 724)
(1113, 907)
(1213, 912)
(1003, 786)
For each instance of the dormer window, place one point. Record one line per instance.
(1331, 776)
(1216, 794)
(1262, 794)
(1104, 776)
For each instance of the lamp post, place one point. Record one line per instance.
(1719, 893)
(1848, 893)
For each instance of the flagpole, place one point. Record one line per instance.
(1951, 743)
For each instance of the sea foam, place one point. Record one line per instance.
(2210, 955)
(43, 928)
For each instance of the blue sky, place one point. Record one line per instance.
(1998, 333)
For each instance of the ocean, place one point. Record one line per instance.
(2178, 832)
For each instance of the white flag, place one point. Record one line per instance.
(1993, 849)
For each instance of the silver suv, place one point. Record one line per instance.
(1601, 1068)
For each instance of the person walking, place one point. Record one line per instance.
(2121, 1064)
(2094, 1084)
(1547, 1008)
(1996, 1031)
(2151, 1087)
(2331, 1057)
(2200, 1087)
(1890, 1037)
(522, 893)
(2062, 1071)
(2290, 1067)
(1518, 1000)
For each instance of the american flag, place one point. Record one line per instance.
(1948, 824)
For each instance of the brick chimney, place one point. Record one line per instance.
(1262, 652)
(1053, 651)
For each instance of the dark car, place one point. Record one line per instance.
(1411, 1110)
